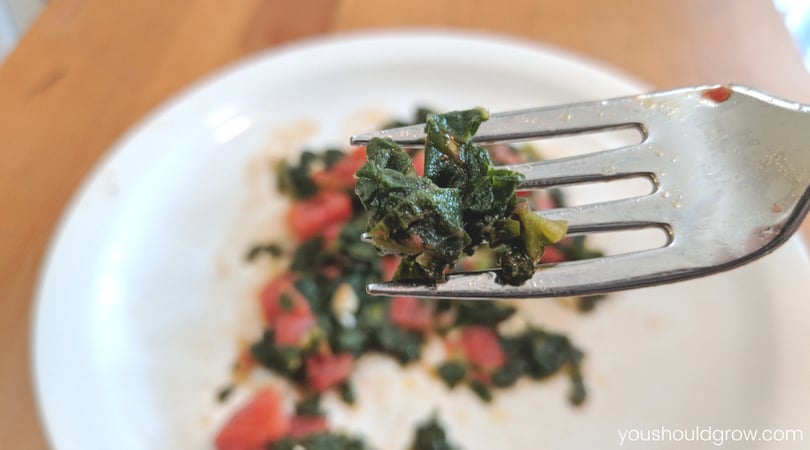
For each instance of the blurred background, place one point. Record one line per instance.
(797, 21)
(15, 17)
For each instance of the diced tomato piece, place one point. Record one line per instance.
(341, 175)
(292, 331)
(256, 424)
(502, 154)
(552, 255)
(274, 296)
(389, 266)
(303, 426)
(419, 162)
(327, 180)
(544, 201)
(349, 165)
(411, 313)
(326, 371)
(309, 217)
(482, 349)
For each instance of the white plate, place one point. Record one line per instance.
(144, 293)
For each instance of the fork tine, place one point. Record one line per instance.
(593, 276)
(624, 214)
(410, 136)
(617, 163)
(527, 124)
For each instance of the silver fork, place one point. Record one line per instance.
(730, 168)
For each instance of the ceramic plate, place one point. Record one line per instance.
(145, 294)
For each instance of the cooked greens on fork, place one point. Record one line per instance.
(461, 202)
(737, 159)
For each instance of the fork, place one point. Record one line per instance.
(730, 169)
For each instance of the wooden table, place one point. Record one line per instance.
(88, 69)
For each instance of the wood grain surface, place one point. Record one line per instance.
(88, 69)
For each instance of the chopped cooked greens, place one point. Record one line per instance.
(452, 372)
(320, 441)
(462, 201)
(309, 406)
(532, 353)
(258, 250)
(410, 216)
(284, 360)
(347, 393)
(225, 392)
(539, 354)
(471, 312)
(588, 303)
(318, 318)
(430, 435)
(296, 180)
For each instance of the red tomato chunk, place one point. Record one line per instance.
(411, 313)
(326, 371)
(256, 424)
(482, 348)
(419, 163)
(309, 217)
(292, 331)
(281, 298)
(303, 426)
(552, 255)
(341, 175)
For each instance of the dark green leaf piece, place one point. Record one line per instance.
(461, 202)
